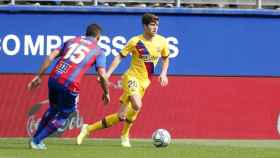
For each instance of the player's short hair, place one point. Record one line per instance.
(93, 30)
(147, 18)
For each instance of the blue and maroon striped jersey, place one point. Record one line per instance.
(76, 57)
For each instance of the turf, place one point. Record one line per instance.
(110, 148)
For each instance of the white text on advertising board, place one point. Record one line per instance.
(40, 45)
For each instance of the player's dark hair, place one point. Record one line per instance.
(147, 18)
(93, 30)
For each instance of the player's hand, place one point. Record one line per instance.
(35, 82)
(163, 80)
(106, 98)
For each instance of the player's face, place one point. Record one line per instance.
(152, 28)
(98, 36)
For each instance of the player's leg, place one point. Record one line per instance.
(48, 115)
(46, 118)
(131, 115)
(52, 111)
(113, 119)
(132, 112)
(106, 122)
(65, 103)
(54, 124)
(57, 122)
(134, 93)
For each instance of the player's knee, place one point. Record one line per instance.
(122, 117)
(58, 123)
(137, 106)
(136, 102)
(129, 120)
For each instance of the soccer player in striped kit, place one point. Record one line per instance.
(75, 57)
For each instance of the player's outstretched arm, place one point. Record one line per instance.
(117, 60)
(104, 85)
(163, 75)
(36, 81)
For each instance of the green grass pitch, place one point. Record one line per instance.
(110, 148)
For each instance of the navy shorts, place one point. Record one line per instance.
(62, 98)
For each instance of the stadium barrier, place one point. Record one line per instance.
(178, 3)
(224, 72)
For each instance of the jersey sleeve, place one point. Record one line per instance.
(165, 50)
(100, 60)
(128, 48)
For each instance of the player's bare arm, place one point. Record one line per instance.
(36, 81)
(117, 60)
(163, 75)
(104, 85)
